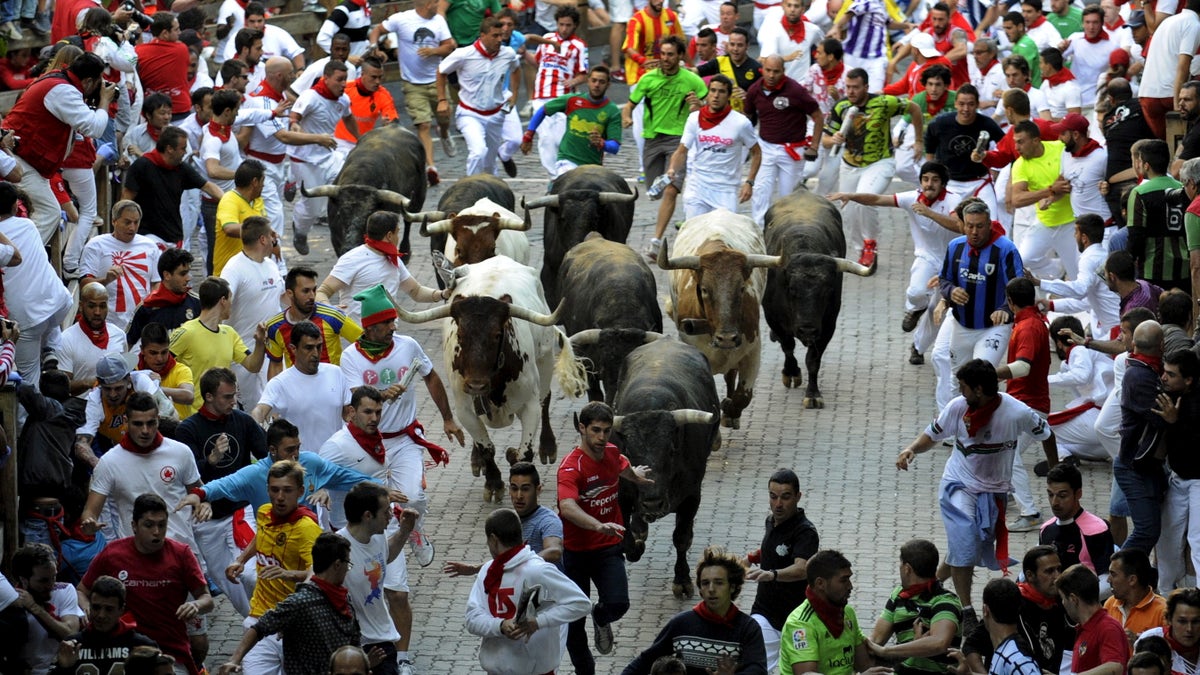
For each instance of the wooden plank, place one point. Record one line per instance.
(9, 502)
(1176, 130)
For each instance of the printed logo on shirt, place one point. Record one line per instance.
(167, 474)
(800, 639)
(781, 549)
(374, 575)
(386, 377)
(123, 575)
(780, 102)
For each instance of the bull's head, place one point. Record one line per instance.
(722, 281)
(474, 235)
(812, 281)
(350, 206)
(606, 348)
(576, 212)
(656, 439)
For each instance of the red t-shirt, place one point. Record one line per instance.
(1030, 342)
(163, 69)
(155, 586)
(1099, 640)
(909, 84)
(593, 485)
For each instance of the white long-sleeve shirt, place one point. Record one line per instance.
(1087, 292)
(1087, 373)
(66, 103)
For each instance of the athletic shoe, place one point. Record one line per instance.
(651, 250)
(289, 191)
(431, 176)
(422, 548)
(911, 319)
(448, 145)
(9, 30)
(867, 259)
(300, 243)
(603, 633)
(526, 110)
(642, 177)
(41, 23)
(618, 76)
(1025, 523)
(915, 357)
(405, 668)
(510, 167)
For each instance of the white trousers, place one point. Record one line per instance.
(482, 134)
(1108, 424)
(512, 133)
(1037, 245)
(549, 134)
(920, 296)
(703, 199)
(828, 165)
(770, 641)
(274, 179)
(981, 188)
(955, 345)
(1180, 523)
(33, 341)
(1022, 490)
(862, 222)
(189, 215)
(46, 213)
(778, 176)
(639, 125)
(1077, 437)
(266, 657)
(907, 165)
(876, 70)
(214, 540)
(83, 185)
(1003, 179)
(306, 211)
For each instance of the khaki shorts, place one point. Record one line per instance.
(421, 101)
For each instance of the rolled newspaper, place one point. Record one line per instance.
(847, 122)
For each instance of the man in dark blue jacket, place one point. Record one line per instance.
(1138, 468)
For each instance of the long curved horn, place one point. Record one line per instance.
(440, 227)
(510, 223)
(424, 216)
(540, 202)
(321, 191)
(615, 198)
(852, 267)
(692, 416)
(756, 260)
(392, 197)
(583, 338)
(425, 316)
(687, 262)
(650, 336)
(617, 421)
(518, 312)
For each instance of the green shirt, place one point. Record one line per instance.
(933, 605)
(922, 101)
(1191, 224)
(870, 137)
(805, 638)
(464, 16)
(1069, 24)
(666, 100)
(1040, 173)
(1027, 48)
(583, 117)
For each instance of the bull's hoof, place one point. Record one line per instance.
(792, 381)
(512, 455)
(731, 422)
(635, 550)
(493, 493)
(814, 402)
(476, 465)
(683, 591)
(548, 455)
(716, 444)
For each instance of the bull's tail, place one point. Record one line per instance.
(572, 375)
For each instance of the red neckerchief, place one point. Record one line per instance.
(916, 589)
(98, 337)
(128, 444)
(833, 74)
(1155, 362)
(293, 517)
(153, 131)
(495, 573)
(389, 251)
(710, 616)
(1114, 26)
(1035, 596)
(479, 48)
(795, 32)
(170, 365)
(362, 91)
(978, 418)
(360, 3)
(1194, 207)
(1087, 148)
(932, 109)
(338, 596)
(990, 64)
(125, 624)
(834, 618)
(371, 443)
(210, 415)
(164, 297)
(158, 160)
(1037, 22)
(221, 131)
(267, 91)
(323, 90)
(922, 200)
(1189, 653)
(997, 232)
(1064, 75)
(710, 119)
(1098, 38)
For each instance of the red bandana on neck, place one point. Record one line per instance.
(997, 232)
(158, 160)
(916, 589)
(128, 444)
(267, 91)
(162, 372)
(1155, 362)
(710, 119)
(978, 418)
(371, 443)
(833, 74)
(479, 48)
(1064, 75)
(495, 573)
(153, 131)
(986, 69)
(1037, 22)
(710, 616)
(1114, 26)
(221, 131)
(389, 251)
(362, 91)
(921, 199)
(98, 337)
(323, 90)
(934, 107)
(338, 596)
(834, 618)
(1087, 148)
(1035, 596)
(1189, 653)
(164, 297)
(795, 32)
(211, 416)
(300, 512)
(1099, 38)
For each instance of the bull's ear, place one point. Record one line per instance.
(506, 299)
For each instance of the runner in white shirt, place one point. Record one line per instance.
(1062, 91)
(1088, 376)
(1088, 291)
(1088, 53)
(276, 41)
(1042, 32)
(317, 111)
(255, 286)
(34, 569)
(715, 139)
(790, 35)
(482, 68)
(90, 338)
(562, 66)
(315, 70)
(988, 77)
(193, 126)
(124, 261)
(219, 148)
(826, 82)
(310, 394)
(1084, 163)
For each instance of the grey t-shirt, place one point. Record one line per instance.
(538, 525)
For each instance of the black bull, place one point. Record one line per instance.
(667, 414)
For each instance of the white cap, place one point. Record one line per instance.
(923, 42)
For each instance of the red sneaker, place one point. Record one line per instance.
(867, 259)
(618, 76)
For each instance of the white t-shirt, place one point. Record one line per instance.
(930, 240)
(1088, 374)
(776, 42)
(312, 402)
(1085, 174)
(1037, 101)
(229, 8)
(343, 450)
(1060, 98)
(1179, 34)
(481, 79)
(78, 355)
(314, 72)
(412, 33)
(41, 648)
(1045, 35)
(984, 463)
(41, 292)
(1088, 61)
(988, 84)
(365, 582)
(276, 42)
(165, 471)
(715, 155)
(361, 268)
(385, 372)
(318, 115)
(255, 289)
(138, 259)
(226, 152)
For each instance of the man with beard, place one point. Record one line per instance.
(1087, 291)
(922, 615)
(1077, 535)
(822, 634)
(1083, 163)
(1134, 601)
(1189, 145)
(300, 286)
(791, 38)
(51, 611)
(89, 339)
(107, 640)
(1037, 180)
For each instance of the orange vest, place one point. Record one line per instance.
(367, 108)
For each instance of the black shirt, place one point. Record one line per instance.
(1044, 633)
(1190, 143)
(952, 143)
(46, 446)
(1182, 438)
(743, 75)
(246, 439)
(1085, 539)
(171, 317)
(158, 193)
(1123, 127)
(103, 652)
(794, 538)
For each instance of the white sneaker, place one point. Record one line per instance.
(651, 250)
(422, 548)
(405, 668)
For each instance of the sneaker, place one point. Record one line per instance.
(289, 191)
(651, 250)
(1025, 523)
(867, 259)
(405, 667)
(422, 548)
(448, 145)
(910, 320)
(969, 622)
(510, 167)
(603, 633)
(41, 23)
(431, 176)
(915, 357)
(300, 243)
(526, 110)
(10, 31)
(679, 224)
(618, 76)
(642, 177)
(313, 7)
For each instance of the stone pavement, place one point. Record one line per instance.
(875, 403)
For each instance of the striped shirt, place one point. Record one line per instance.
(334, 324)
(558, 61)
(1010, 660)
(930, 606)
(983, 276)
(1157, 238)
(866, 34)
(644, 35)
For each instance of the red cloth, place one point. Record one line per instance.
(710, 616)
(1064, 416)
(495, 573)
(487, 55)
(13, 79)
(62, 19)
(323, 89)
(155, 158)
(372, 444)
(978, 417)
(416, 433)
(1194, 207)
(164, 297)
(294, 516)
(1099, 640)
(127, 443)
(795, 31)
(1036, 22)
(1030, 342)
(997, 232)
(710, 119)
(221, 131)
(163, 68)
(266, 90)
(1064, 75)
(916, 589)
(1189, 653)
(98, 337)
(45, 139)
(593, 485)
(834, 618)
(1036, 597)
(910, 83)
(1087, 148)
(389, 251)
(1098, 39)
(164, 371)
(338, 596)
(927, 202)
(1006, 150)
(1155, 362)
(210, 415)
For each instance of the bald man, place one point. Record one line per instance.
(89, 339)
(1139, 474)
(349, 660)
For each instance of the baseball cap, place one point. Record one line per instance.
(1072, 122)
(923, 42)
(111, 368)
(1118, 57)
(1136, 18)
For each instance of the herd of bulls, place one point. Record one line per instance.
(501, 340)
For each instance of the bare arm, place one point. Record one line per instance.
(570, 510)
(215, 170)
(934, 643)
(863, 198)
(210, 188)
(552, 549)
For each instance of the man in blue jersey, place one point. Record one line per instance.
(975, 271)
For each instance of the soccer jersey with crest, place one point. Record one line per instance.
(806, 638)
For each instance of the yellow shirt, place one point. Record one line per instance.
(181, 374)
(287, 545)
(200, 348)
(233, 208)
(1040, 173)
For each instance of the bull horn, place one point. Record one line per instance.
(617, 420)
(424, 316)
(321, 191)
(443, 226)
(852, 267)
(526, 314)
(687, 262)
(583, 338)
(540, 202)
(392, 197)
(692, 416)
(510, 223)
(650, 336)
(615, 198)
(756, 260)
(424, 216)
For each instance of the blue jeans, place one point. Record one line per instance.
(9, 10)
(1144, 492)
(605, 567)
(1119, 241)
